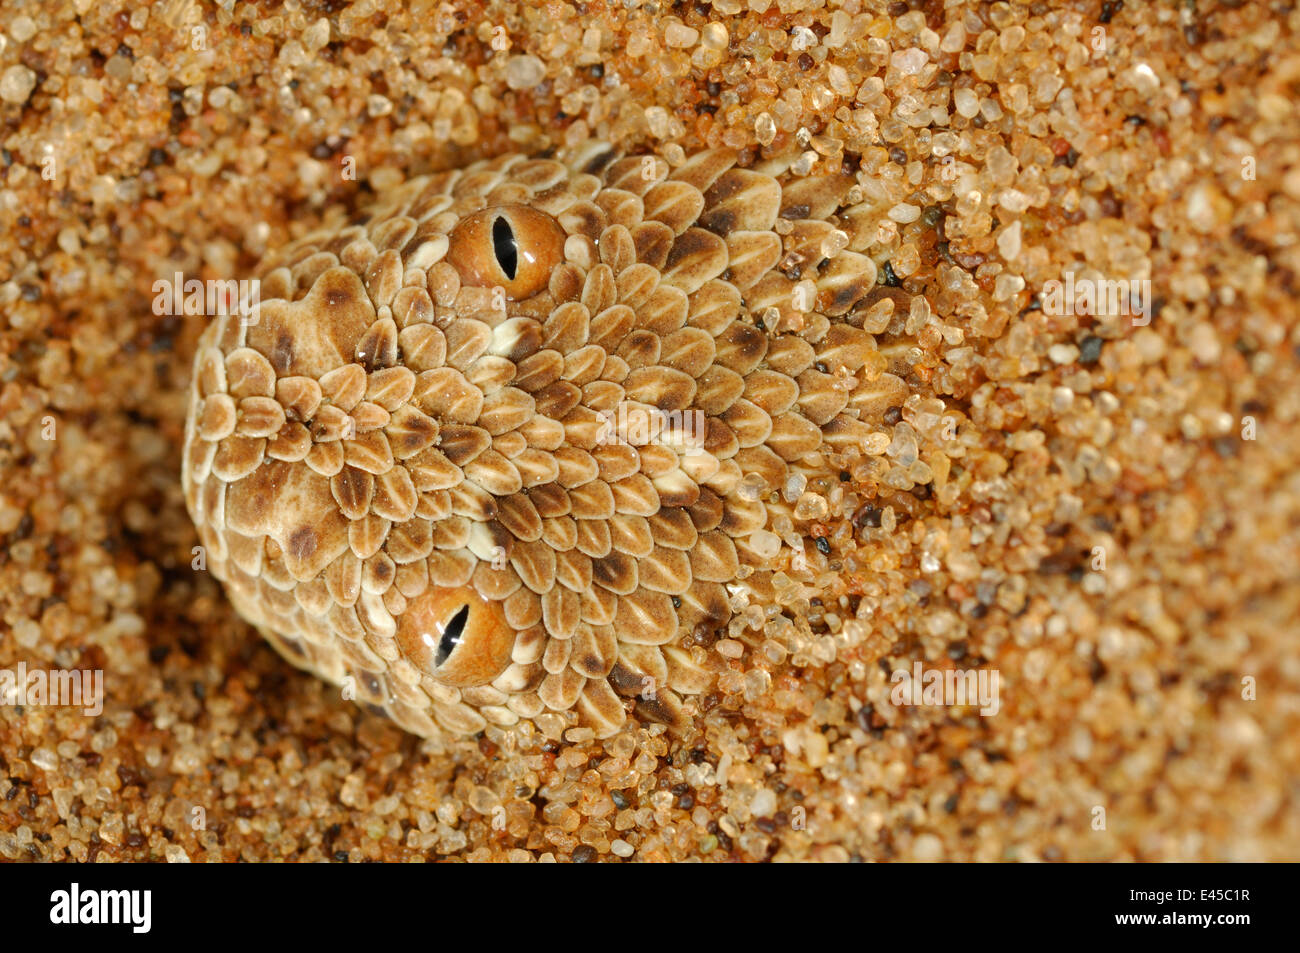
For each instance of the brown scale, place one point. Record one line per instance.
(436, 469)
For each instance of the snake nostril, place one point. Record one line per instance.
(451, 636)
(505, 247)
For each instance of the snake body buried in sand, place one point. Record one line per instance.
(501, 444)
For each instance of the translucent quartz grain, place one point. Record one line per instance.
(524, 71)
(16, 84)
(679, 36)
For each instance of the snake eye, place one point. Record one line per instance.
(455, 636)
(513, 247)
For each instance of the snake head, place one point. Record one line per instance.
(495, 450)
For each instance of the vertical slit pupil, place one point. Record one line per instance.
(505, 247)
(451, 635)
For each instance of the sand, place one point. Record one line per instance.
(1110, 520)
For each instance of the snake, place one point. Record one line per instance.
(512, 439)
